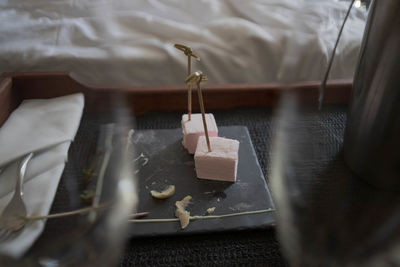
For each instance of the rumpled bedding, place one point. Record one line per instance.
(128, 43)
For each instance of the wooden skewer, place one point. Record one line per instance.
(189, 90)
(203, 115)
(189, 53)
(198, 77)
(79, 211)
(69, 213)
(207, 217)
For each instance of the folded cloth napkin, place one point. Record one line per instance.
(45, 127)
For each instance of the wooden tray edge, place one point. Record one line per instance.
(16, 86)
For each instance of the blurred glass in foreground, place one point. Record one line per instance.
(327, 215)
(372, 139)
(335, 187)
(99, 172)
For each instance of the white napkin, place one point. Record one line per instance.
(45, 127)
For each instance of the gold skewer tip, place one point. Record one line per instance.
(195, 77)
(187, 50)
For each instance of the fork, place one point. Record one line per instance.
(12, 218)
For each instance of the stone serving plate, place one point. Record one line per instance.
(162, 160)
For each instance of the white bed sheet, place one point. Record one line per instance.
(131, 42)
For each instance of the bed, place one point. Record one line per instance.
(125, 43)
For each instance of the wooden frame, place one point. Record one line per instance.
(14, 87)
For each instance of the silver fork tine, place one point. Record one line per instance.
(2, 233)
(5, 235)
(10, 224)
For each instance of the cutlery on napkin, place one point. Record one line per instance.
(47, 128)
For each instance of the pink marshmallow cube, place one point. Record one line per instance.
(219, 164)
(194, 128)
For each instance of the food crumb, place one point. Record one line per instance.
(181, 213)
(166, 193)
(210, 210)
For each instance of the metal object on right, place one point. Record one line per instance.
(372, 136)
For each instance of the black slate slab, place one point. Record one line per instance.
(162, 160)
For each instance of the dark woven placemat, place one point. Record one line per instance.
(224, 249)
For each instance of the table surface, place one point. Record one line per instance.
(255, 247)
(336, 214)
(238, 247)
(258, 247)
